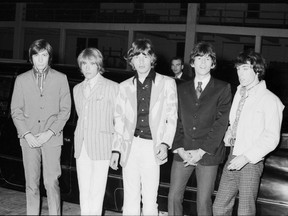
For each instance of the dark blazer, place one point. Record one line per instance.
(202, 122)
(185, 77)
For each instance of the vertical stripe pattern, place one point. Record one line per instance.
(95, 119)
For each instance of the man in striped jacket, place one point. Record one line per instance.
(94, 101)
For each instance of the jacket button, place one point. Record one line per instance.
(38, 121)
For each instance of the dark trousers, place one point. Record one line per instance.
(180, 175)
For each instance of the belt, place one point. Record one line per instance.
(142, 136)
(232, 141)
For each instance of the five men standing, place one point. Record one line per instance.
(145, 121)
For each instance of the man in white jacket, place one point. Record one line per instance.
(254, 131)
(145, 125)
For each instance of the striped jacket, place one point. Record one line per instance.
(95, 119)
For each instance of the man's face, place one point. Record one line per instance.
(202, 65)
(142, 63)
(89, 68)
(247, 76)
(40, 60)
(176, 66)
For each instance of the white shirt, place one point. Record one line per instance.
(93, 81)
(179, 75)
(258, 130)
(89, 85)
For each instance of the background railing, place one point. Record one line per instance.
(273, 19)
(41, 13)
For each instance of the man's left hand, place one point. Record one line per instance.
(196, 156)
(238, 162)
(44, 137)
(162, 152)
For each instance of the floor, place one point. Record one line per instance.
(13, 203)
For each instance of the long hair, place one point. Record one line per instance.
(92, 54)
(141, 46)
(39, 45)
(201, 49)
(255, 59)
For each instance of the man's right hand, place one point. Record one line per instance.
(183, 154)
(114, 160)
(32, 140)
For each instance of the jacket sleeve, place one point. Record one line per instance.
(64, 108)
(268, 140)
(215, 136)
(119, 120)
(171, 112)
(179, 135)
(17, 109)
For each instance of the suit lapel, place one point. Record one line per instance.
(48, 80)
(132, 94)
(208, 88)
(157, 88)
(31, 79)
(192, 90)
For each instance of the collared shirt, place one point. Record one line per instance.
(178, 76)
(143, 104)
(93, 81)
(258, 130)
(89, 85)
(205, 81)
(42, 78)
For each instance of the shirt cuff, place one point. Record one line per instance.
(52, 131)
(116, 152)
(177, 150)
(166, 145)
(23, 136)
(201, 152)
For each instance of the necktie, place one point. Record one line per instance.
(238, 112)
(40, 79)
(199, 89)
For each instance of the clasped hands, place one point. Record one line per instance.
(190, 157)
(38, 140)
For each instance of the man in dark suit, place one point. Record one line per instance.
(177, 66)
(204, 105)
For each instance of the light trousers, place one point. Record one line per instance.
(141, 179)
(92, 179)
(50, 157)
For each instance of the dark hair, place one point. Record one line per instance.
(141, 46)
(39, 45)
(91, 54)
(201, 49)
(177, 58)
(255, 59)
